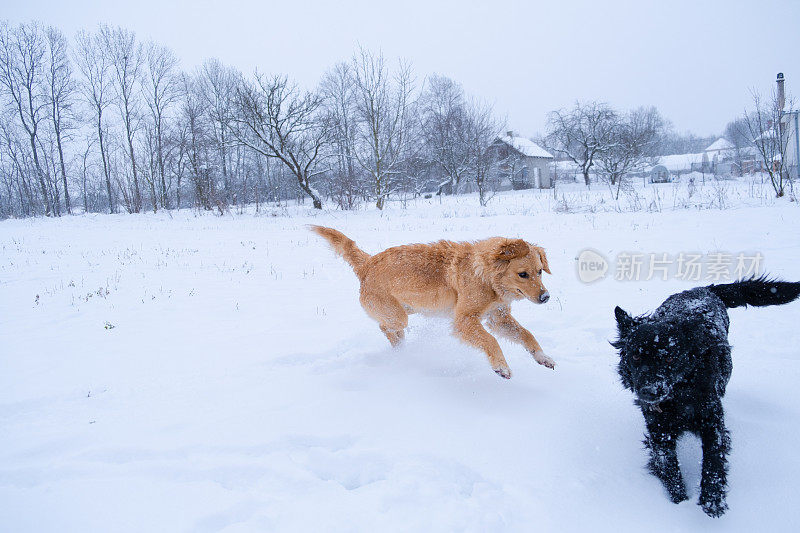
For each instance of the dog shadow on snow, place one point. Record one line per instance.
(430, 350)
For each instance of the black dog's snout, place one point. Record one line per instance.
(544, 297)
(650, 393)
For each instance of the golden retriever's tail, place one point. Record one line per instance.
(343, 246)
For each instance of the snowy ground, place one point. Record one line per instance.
(242, 388)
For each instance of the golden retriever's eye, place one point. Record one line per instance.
(523, 275)
(540, 271)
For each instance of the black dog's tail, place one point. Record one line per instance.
(756, 291)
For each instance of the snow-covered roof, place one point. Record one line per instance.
(525, 146)
(719, 145)
(766, 135)
(679, 162)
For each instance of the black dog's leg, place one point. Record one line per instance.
(664, 463)
(716, 445)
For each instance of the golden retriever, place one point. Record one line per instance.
(471, 281)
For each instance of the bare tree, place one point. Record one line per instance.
(482, 130)
(16, 165)
(195, 146)
(737, 133)
(766, 128)
(126, 58)
(682, 143)
(180, 165)
(161, 84)
(96, 89)
(581, 133)
(337, 89)
(218, 84)
(446, 126)
(633, 140)
(85, 166)
(8, 172)
(278, 121)
(22, 65)
(60, 90)
(384, 111)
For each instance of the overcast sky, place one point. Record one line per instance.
(696, 61)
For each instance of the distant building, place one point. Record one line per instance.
(522, 164)
(788, 145)
(721, 147)
(753, 159)
(718, 158)
(789, 128)
(791, 122)
(679, 164)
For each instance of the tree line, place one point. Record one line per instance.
(107, 123)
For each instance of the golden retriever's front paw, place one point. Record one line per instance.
(503, 371)
(544, 360)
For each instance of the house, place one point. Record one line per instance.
(752, 158)
(790, 129)
(719, 157)
(787, 147)
(522, 164)
(721, 148)
(791, 121)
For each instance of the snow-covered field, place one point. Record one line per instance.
(191, 372)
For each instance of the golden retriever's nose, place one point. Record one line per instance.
(544, 297)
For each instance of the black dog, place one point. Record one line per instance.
(678, 361)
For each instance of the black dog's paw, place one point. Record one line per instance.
(714, 507)
(678, 495)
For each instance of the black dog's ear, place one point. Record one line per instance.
(624, 321)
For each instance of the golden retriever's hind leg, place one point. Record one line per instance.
(389, 314)
(395, 337)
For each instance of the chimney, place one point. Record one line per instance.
(510, 133)
(781, 93)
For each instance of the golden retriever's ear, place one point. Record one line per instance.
(511, 249)
(543, 257)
